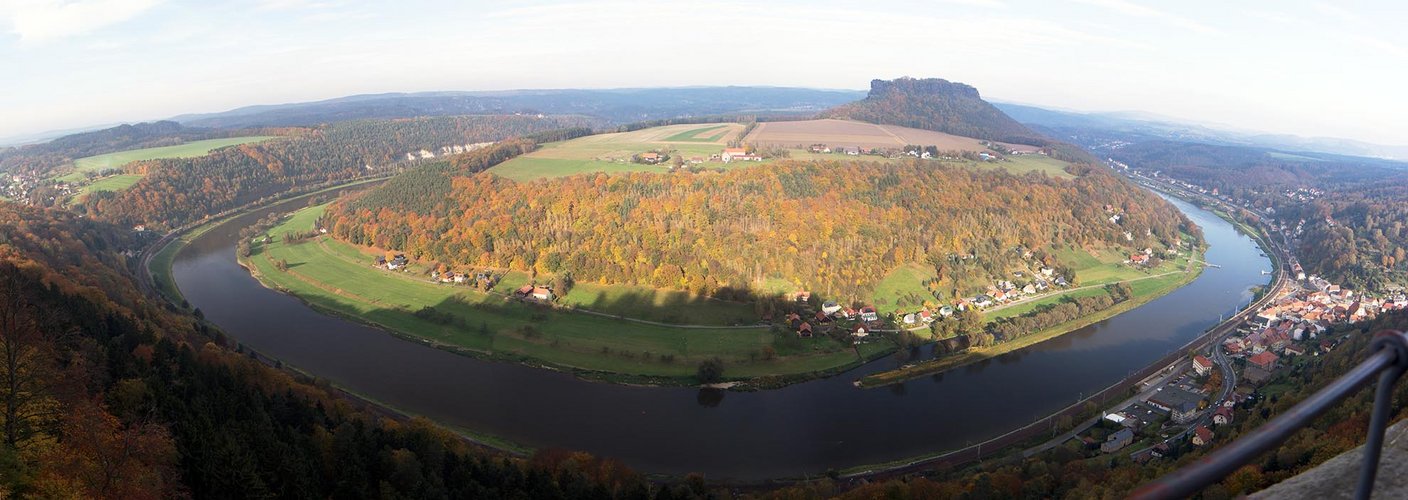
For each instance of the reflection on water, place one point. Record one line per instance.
(801, 429)
(709, 397)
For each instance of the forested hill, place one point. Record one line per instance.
(179, 190)
(40, 158)
(936, 104)
(1355, 210)
(835, 228)
(614, 106)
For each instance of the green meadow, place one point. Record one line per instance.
(188, 150)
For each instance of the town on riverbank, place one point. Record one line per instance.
(1182, 406)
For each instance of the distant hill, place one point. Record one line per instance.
(1092, 129)
(936, 104)
(614, 106)
(46, 155)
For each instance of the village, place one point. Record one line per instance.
(1202, 393)
(1183, 405)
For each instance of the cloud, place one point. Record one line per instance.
(43, 20)
(1136, 10)
(1337, 11)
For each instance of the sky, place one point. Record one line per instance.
(1304, 67)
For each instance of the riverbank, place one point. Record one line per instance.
(1145, 290)
(744, 436)
(159, 259)
(337, 279)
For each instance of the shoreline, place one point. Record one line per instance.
(977, 355)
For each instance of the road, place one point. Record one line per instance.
(1217, 334)
(1167, 375)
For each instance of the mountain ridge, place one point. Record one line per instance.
(614, 106)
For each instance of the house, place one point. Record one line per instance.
(926, 317)
(802, 296)
(1138, 258)
(1116, 441)
(1202, 365)
(821, 317)
(1029, 289)
(1222, 416)
(982, 301)
(946, 311)
(380, 261)
(860, 332)
(1202, 436)
(804, 330)
(1264, 360)
(868, 314)
(542, 293)
(739, 154)
(450, 277)
(851, 150)
(524, 290)
(830, 307)
(910, 319)
(397, 261)
(1294, 350)
(651, 158)
(846, 313)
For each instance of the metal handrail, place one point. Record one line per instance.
(1388, 361)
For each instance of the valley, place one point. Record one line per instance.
(464, 250)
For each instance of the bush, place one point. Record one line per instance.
(710, 371)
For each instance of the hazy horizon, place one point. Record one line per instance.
(1309, 68)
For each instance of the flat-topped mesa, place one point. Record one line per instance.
(880, 87)
(936, 104)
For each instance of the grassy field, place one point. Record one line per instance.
(111, 183)
(668, 306)
(611, 153)
(905, 282)
(187, 150)
(1031, 163)
(335, 277)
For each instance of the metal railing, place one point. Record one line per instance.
(1388, 361)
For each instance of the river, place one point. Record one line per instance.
(802, 429)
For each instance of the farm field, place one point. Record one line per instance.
(841, 133)
(336, 277)
(192, 149)
(611, 153)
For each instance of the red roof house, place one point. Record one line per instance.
(1202, 436)
(1266, 360)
